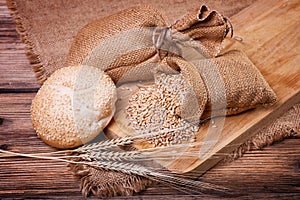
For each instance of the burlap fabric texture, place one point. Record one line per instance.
(49, 27)
(106, 183)
(245, 87)
(130, 44)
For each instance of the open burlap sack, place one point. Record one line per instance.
(245, 87)
(239, 83)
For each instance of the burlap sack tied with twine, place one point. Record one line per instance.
(140, 25)
(130, 46)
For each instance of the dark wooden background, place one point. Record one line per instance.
(271, 173)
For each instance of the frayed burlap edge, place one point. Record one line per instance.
(91, 182)
(281, 128)
(31, 52)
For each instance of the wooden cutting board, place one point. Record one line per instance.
(268, 32)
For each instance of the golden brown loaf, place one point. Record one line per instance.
(73, 106)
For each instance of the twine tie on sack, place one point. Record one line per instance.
(229, 27)
(164, 42)
(160, 36)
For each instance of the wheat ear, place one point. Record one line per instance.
(110, 155)
(123, 141)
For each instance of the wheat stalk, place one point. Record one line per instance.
(123, 141)
(104, 155)
(135, 169)
(110, 155)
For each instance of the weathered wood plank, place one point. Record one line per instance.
(15, 70)
(271, 172)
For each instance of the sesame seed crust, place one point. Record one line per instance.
(73, 106)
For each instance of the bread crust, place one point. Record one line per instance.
(73, 106)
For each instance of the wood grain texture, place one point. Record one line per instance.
(15, 71)
(272, 173)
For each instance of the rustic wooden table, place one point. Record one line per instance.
(273, 172)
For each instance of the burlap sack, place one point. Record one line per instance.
(244, 86)
(130, 39)
(130, 44)
(87, 47)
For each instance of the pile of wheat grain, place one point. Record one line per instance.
(155, 109)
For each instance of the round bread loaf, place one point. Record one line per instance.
(73, 106)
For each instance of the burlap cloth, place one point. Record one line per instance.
(48, 29)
